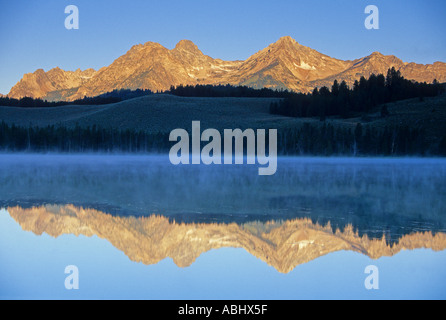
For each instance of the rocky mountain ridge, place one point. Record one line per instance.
(285, 64)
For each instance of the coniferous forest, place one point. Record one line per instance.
(325, 140)
(362, 98)
(78, 139)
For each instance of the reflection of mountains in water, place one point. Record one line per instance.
(283, 245)
(338, 212)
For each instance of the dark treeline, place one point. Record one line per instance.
(211, 91)
(323, 140)
(217, 91)
(328, 140)
(78, 139)
(362, 98)
(106, 98)
(28, 102)
(125, 94)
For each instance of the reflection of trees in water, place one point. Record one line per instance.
(391, 197)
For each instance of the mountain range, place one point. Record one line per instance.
(283, 245)
(285, 64)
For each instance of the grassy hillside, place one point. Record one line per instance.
(428, 114)
(163, 113)
(154, 113)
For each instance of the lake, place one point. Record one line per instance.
(139, 227)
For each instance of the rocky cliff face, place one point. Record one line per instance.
(285, 64)
(283, 245)
(40, 83)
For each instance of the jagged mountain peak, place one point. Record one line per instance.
(283, 64)
(376, 54)
(284, 44)
(37, 72)
(379, 63)
(187, 45)
(149, 45)
(57, 69)
(288, 64)
(379, 56)
(286, 40)
(152, 44)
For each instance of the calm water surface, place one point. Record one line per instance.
(139, 227)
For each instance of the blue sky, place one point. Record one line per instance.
(33, 35)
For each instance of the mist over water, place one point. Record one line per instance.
(377, 196)
(88, 210)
